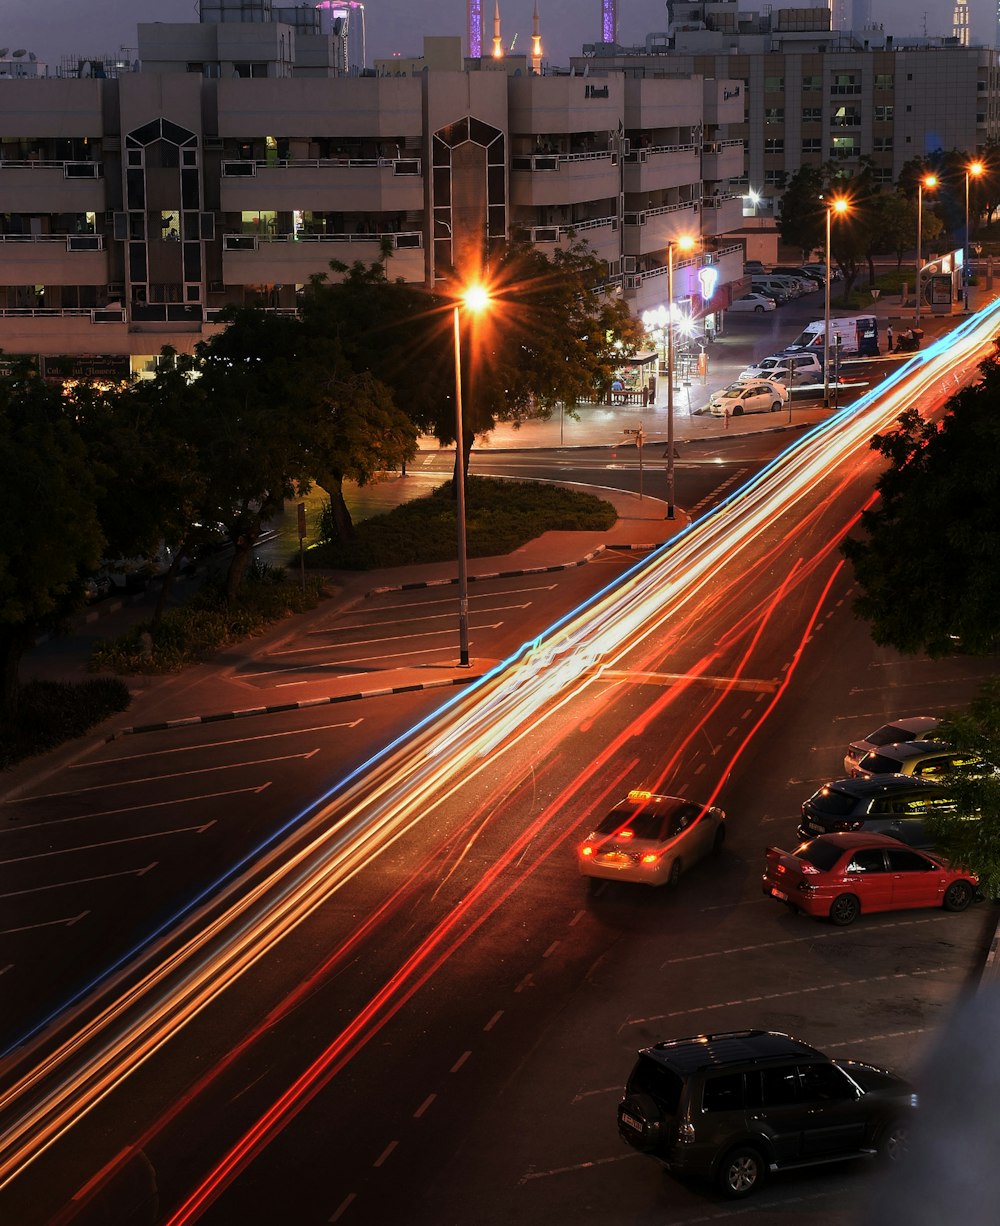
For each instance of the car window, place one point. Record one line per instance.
(867, 860)
(779, 1086)
(879, 764)
(934, 766)
(723, 1093)
(663, 1084)
(819, 854)
(825, 1082)
(832, 801)
(903, 861)
(649, 823)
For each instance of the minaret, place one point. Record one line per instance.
(536, 43)
(497, 40)
(475, 29)
(960, 22)
(609, 21)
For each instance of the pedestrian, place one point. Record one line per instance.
(888, 338)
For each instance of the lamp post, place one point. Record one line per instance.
(930, 182)
(838, 205)
(973, 170)
(685, 243)
(475, 298)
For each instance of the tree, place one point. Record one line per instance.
(48, 506)
(927, 567)
(975, 843)
(802, 222)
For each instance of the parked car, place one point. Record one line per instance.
(96, 587)
(752, 396)
(753, 302)
(818, 279)
(790, 369)
(753, 266)
(651, 839)
(820, 269)
(841, 876)
(772, 288)
(924, 759)
(896, 805)
(906, 728)
(731, 1108)
(132, 574)
(797, 285)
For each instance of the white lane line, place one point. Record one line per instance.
(460, 1061)
(578, 1166)
(473, 596)
(493, 1020)
(385, 1153)
(61, 885)
(263, 736)
(423, 1106)
(799, 991)
(335, 627)
(394, 638)
(551, 949)
(68, 922)
(141, 808)
(342, 1208)
(300, 668)
(5, 969)
(134, 838)
(199, 770)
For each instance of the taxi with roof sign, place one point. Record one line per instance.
(651, 839)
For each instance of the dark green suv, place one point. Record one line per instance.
(732, 1108)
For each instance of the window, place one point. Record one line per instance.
(774, 145)
(844, 147)
(812, 114)
(811, 84)
(884, 114)
(774, 85)
(866, 861)
(883, 144)
(825, 1082)
(882, 174)
(846, 117)
(884, 80)
(774, 178)
(774, 114)
(902, 860)
(723, 1093)
(844, 83)
(812, 144)
(250, 70)
(779, 1086)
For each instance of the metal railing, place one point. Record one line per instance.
(250, 242)
(235, 168)
(70, 169)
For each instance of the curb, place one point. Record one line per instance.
(499, 574)
(277, 708)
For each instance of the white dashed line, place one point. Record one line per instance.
(423, 1106)
(493, 1020)
(383, 1156)
(460, 1061)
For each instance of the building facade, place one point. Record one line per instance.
(230, 169)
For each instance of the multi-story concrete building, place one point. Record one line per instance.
(237, 162)
(813, 95)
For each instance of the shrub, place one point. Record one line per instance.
(52, 712)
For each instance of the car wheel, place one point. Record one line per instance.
(894, 1142)
(844, 910)
(675, 873)
(741, 1172)
(737, 411)
(758, 310)
(957, 896)
(719, 841)
(776, 406)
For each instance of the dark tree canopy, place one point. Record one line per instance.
(929, 566)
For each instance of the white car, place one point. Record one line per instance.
(791, 369)
(906, 728)
(753, 396)
(753, 302)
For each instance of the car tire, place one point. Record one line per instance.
(844, 910)
(758, 310)
(741, 1172)
(719, 841)
(675, 873)
(957, 896)
(737, 411)
(894, 1142)
(776, 406)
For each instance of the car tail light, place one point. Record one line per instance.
(586, 850)
(685, 1133)
(650, 857)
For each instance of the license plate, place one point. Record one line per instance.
(814, 826)
(627, 1119)
(778, 894)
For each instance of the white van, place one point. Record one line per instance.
(858, 336)
(792, 369)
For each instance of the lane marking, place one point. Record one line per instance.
(493, 1020)
(67, 923)
(335, 628)
(394, 638)
(423, 1106)
(134, 838)
(60, 885)
(385, 1154)
(579, 1166)
(298, 668)
(263, 736)
(342, 1208)
(460, 1061)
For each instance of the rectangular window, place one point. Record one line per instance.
(774, 114)
(774, 178)
(774, 145)
(774, 85)
(844, 83)
(882, 174)
(846, 117)
(812, 144)
(883, 144)
(884, 80)
(811, 84)
(884, 114)
(812, 114)
(844, 147)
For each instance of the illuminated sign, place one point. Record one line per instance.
(708, 279)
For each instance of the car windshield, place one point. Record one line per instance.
(879, 764)
(661, 1083)
(653, 821)
(889, 734)
(832, 801)
(819, 854)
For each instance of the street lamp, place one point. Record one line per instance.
(838, 205)
(686, 243)
(973, 170)
(474, 299)
(930, 182)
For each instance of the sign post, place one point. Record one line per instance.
(640, 438)
(302, 537)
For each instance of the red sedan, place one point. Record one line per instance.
(837, 876)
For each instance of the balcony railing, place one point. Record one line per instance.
(97, 315)
(552, 161)
(251, 242)
(552, 234)
(72, 242)
(71, 170)
(247, 169)
(642, 153)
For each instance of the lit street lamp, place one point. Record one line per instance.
(475, 299)
(930, 182)
(838, 205)
(973, 170)
(685, 243)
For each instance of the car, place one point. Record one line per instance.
(797, 283)
(896, 805)
(752, 396)
(906, 728)
(755, 302)
(791, 369)
(925, 759)
(97, 586)
(753, 266)
(651, 839)
(841, 876)
(732, 1108)
(811, 281)
(772, 288)
(820, 270)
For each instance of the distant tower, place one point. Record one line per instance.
(497, 40)
(475, 29)
(609, 21)
(960, 22)
(536, 42)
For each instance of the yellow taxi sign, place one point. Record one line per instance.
(639, 794)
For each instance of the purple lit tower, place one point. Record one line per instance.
(475, 28)
(609, 21)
